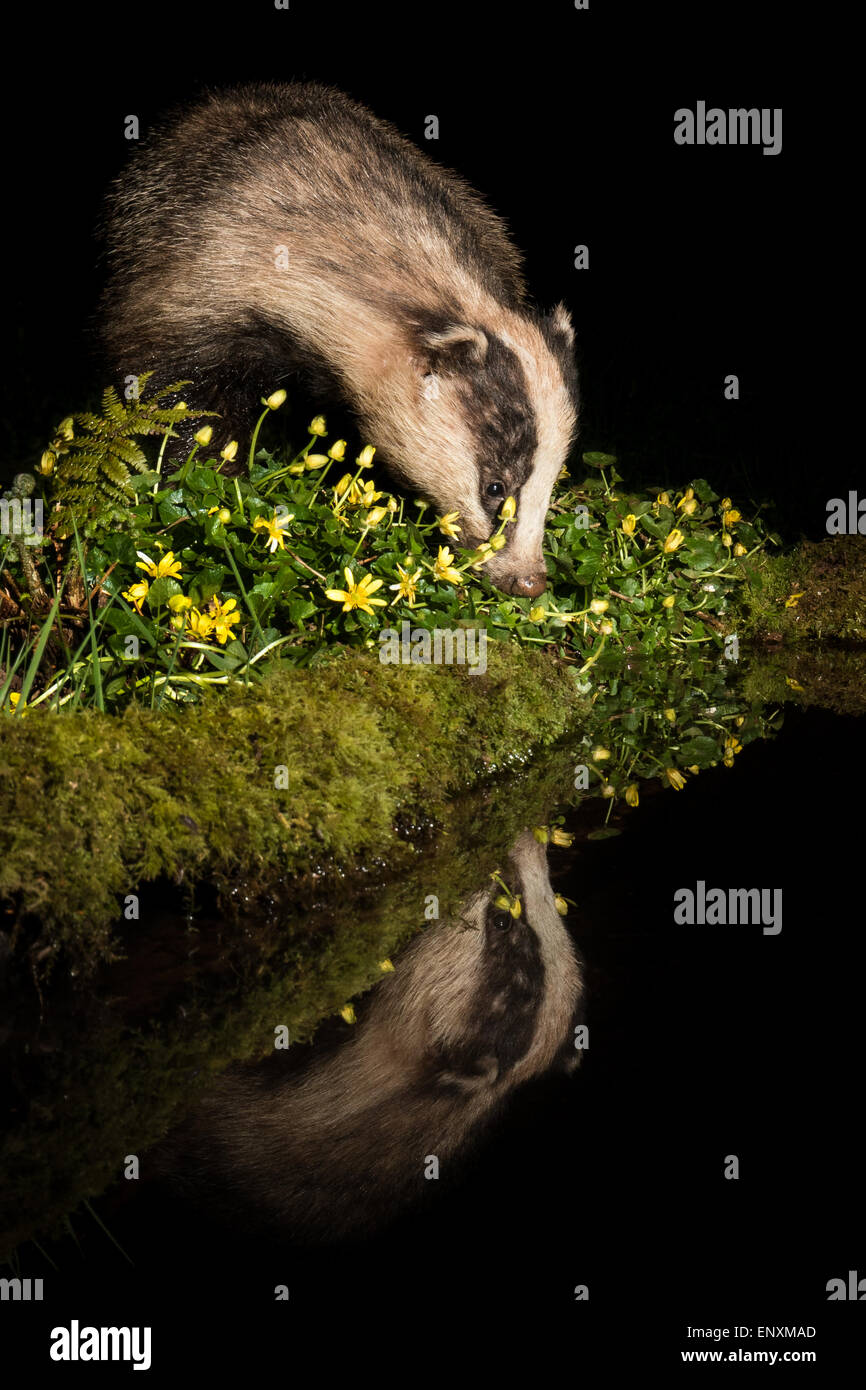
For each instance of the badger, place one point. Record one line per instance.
(331, 1145)
(278, 233)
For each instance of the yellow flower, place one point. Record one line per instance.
(730, 518)
(348, 1013)
(200, 625)
(669, 601)
(275, 400)
(369, 494)
(204, 435)
(537, 614)
(385, 965)
(47, 462)
(599, 606)
(66, 428)
(739, 549)
(727, 539)
(676, 779)
(482, 555)
(406, 588)
(337, 451)
(179, 602)
(167, 567)
(137, 593)
(365, 458)
(629, 524)
(374, 516)
(318, 426)
(15, 702)
(599, 755)
(446, 525)
(497, 542)
(274, 528)
(674, 540)
(632, 794)
(515, 908)
(724, 504)
(671, 716)
(689, 507)
(230, 451)
(795, 685)
(509, 509)
(663, 500)
(357, 594)
(503, 903)
(561, 905)
(688, 496)
(793, 599)
(562, 838)
(443, 568)
(605, 628)
(223, 514)
(223, 617)
(314, 461)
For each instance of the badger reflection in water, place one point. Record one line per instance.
(476, 1006)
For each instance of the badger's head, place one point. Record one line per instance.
(490, 412)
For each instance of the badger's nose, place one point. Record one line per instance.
(529, 585)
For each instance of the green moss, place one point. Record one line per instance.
(94, 805)
(831, 577)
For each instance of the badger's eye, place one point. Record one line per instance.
(502, 921)
(495, 489)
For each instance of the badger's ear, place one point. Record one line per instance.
(452, 348)
(560, 321)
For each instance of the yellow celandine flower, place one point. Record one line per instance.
(199, 624)
(312, 462)
(795, 685)
(725, 504)
(443, 568)
(16, 704)
(605, 628)
(337, 451)
(223, 616)
(137, 593)
(348, 1013)
(739, 549)
(632, 794)
(663, 500)
(502, 903)
(375, 515)
(274, 528)
(671, 715)
(46, 463)
(599, 755)
(727, 539)
(669, 601)
(561, 905)
(178, 603)
(357, 594)
(689, 507)
(369, 494)
(167, 567)
(676, 778)
(482, 555)
(694, 769)
(385, 965)
(365, 458)
(204, 435)
(599, 606)
(318, 426)
(629, 524)
(688, 496)
(793, 599)
(537, 614)
(608, 789)
(223, 514)
(673, 541)
(497, 542)
(730, 518)
(230, 451)
(562, 838)
(447, 526)
(275, 400)
(509, 509)
(406, 588)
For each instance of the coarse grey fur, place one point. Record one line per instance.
(336, 1143)
(277, 232)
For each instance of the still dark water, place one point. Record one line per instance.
(704, 1042)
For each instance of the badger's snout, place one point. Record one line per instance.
(527, 585)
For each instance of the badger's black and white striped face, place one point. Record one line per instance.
(499, 405)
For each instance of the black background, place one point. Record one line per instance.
(703, 262)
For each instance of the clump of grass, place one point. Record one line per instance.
(206, 580)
